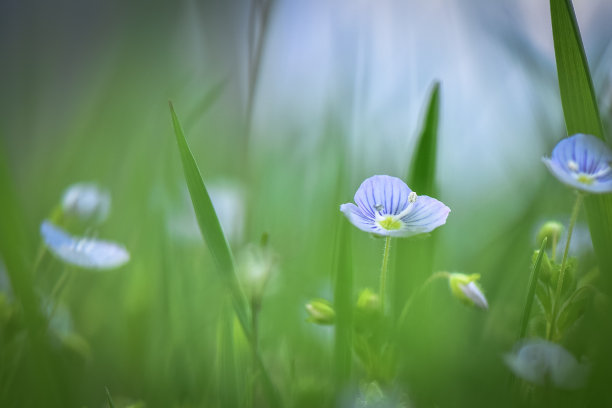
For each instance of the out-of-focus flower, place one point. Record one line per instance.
(84, 252)
(386, 206)
(541, 362)
(228, 201)
(87, 202)
(583, 162)
(551, 230)
(466, 289)
(256, 263)
(320, 311)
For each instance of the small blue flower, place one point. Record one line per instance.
(84, 252)
(583, 162)
(87, 202)
(386, 206)
(542, 362)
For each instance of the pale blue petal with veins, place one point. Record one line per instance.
(387, 206)
(84, 252)
(583, 162)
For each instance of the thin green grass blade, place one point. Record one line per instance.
(343, 297)
(210, 227)
(219, 248)
(533, 283)
(414, 258)
(109, 399)
(581, 116)
(422, 175)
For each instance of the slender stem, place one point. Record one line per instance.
(416, 293)
(255, 306)
(383, 274)
(554, 247)
(58, 285)
(531, 289)
(570, 229)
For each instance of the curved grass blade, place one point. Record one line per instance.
(422, 176)
(533, 283)
(217, 243)
(210, 226)
(109, 399)
(581, 116)
(422, 179)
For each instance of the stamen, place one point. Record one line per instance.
(602, 172)
(412, 197)
(572, 165)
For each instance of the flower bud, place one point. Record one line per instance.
(546, 268)
(465, 288)
(320, 311)
(368, 301)
(87, 202)
(551, 230)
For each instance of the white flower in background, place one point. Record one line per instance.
(84, 252)
(87, 202)
(228, 201)
(256, 264)
(543, 362)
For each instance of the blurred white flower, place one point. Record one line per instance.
(228, 200)
(541, 362)
(256, 263)
(84, 252)
(87, 202)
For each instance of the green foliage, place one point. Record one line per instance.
(414, 258)
(531, 291)
(210, 226)
(581, 116)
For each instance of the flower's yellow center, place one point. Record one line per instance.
(585, 179)
(390, 223)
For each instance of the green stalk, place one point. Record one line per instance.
(383, 274)
(570, 229)
(425, 284)
(557, 298)
(533, 283)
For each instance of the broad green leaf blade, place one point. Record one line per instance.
(533, 283)
(581, 116)
(343, 298)
(210, 226)
(414, 258)
(575, 84)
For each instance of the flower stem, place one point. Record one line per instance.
(383, 274)
(417, 292)
(557, 298)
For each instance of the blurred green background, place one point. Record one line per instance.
(292, 107)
